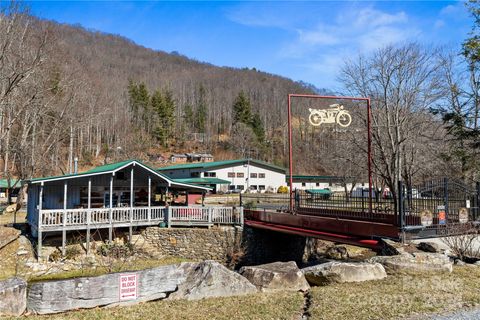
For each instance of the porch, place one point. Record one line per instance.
(125, 194)
(171, 216)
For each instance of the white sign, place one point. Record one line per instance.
(467, 204)
(128, 286)
(334, 114)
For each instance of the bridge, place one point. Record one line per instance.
(444, 207)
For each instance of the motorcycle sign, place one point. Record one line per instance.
(334, 114)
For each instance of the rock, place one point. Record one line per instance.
(359, 253)
(12, 208)
(429, 247)
(13, 297)
(337, 253)
(416, 262)
(8, 235)
(276, 276)
(391, 248)
(341, 272)
(22, 252)
(459, 262)
(211, 279)
(89, 292)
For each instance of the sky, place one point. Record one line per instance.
(304, 41)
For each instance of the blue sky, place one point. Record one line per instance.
(306, 41)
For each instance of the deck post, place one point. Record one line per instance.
(149, 213)
(64, 232)
(169, 210)
(89, 213)
(210, 209)
(110, 214)
(130, 231)
(241, 216)
(40, 217)
(169, 216)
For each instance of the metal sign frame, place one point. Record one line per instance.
(290, 148)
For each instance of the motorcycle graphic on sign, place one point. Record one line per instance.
(334, 114)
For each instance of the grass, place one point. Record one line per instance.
(279, 305)
(8, 218)
(398, 296)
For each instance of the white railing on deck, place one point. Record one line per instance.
(125, 215)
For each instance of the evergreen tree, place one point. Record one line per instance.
(163, 105)
(139, 103)
(189, 116)
(257, 127)
(242, 111)
(201, 110)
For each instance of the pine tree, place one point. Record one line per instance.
(201, 110)
(163, 105)
(257, 127)
(242, 111)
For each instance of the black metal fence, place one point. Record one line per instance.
(431, 205)
(438, 203)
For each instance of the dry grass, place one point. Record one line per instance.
(280, 305)
(398, 296)
(8, 218)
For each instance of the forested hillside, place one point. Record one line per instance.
(202, 100)
(68, 92)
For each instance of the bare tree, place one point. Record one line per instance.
(403, 83)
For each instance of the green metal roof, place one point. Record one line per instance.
(203, 181)
(4, 183)
(97, 170)
(318, 191)
(302, 178)
(112, 167)
(208, 165)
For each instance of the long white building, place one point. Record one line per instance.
(229, 175)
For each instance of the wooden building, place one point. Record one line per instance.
(123, 194)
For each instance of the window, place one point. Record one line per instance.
(231, 187)
(240, 175)
(304, 184)
(261, 187)
(261, 175)
(253, 187)
(231, 174)
(195, 174)
(253, 175)
(210, 174)
(317, 184)
(240, 187)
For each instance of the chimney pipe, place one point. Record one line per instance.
(75, 166)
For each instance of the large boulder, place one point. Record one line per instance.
(429, 247)
(12, 208)
(8, 235)
(211, 279)
(110, 289)
(276, 276)
(337, 253)
(13, 297)
(341, 272)
(415, 262)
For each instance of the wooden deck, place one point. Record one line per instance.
(83, 219)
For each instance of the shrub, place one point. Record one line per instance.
(282, 189)
(115, 250)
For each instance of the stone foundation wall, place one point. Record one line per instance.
(220, 243)
(232, 246)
